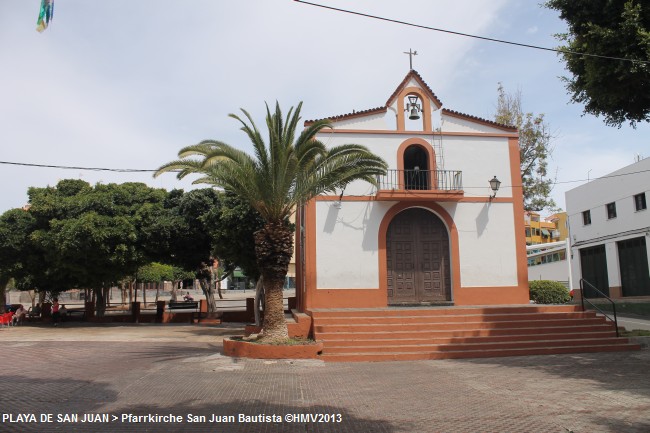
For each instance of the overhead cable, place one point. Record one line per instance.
(484, 38)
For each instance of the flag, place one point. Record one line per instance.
(45, 15)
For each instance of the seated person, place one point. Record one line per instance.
(188, 297)
(63, 311)
(19, 315)
(34, 311)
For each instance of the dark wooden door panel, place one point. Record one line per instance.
(417, 251)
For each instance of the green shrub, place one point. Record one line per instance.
(548, 292)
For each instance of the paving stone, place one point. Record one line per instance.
(180, 370)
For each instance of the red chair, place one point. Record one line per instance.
(7, 319)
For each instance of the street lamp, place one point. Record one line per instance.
(494, 184)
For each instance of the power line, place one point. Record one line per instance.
(484, 38)
(138, 170)
(65, 167)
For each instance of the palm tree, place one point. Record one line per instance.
(282, 176)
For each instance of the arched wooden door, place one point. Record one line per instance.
(417, 254)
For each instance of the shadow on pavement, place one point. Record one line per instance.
(617, 371)
(49, 395)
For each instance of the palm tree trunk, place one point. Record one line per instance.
(274, 248)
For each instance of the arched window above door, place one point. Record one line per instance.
(416, 165)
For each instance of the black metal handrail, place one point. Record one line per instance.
(422, 180)
(583, 298)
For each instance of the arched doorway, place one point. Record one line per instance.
(417, 255)
(416, 168)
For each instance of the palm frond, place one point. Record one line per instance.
(283, 173)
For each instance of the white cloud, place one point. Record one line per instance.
(125, 84)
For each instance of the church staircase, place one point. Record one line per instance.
(402, 333)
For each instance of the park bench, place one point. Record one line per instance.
(185, 305)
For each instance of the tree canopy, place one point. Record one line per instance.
(618, 90)
(74, 235)
(283, 174)
(534, 149)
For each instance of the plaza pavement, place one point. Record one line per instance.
(144, 370)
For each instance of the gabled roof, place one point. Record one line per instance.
(471, 118)
(414, 74)
(351, 115)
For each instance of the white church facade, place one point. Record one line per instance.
(433, 231)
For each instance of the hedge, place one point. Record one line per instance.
(548, 292)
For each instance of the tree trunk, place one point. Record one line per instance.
(208, 291)
(157, 292)
(219, 289)
(274, 248)
(100, 302)
(175, 285)
(107, 296)
(3, 293)
(144, 295)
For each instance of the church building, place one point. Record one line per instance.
(445, 226)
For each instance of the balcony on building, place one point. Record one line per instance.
(416, 184)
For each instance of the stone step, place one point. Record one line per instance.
(392, 319)
(393, 327)
(331, 340)
(398, 311)
(464, 333)
(473, 353)
(331, 348)
(472, 332)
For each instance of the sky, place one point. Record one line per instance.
(125, 84)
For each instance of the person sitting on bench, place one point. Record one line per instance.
(19, 315)
(188, 297)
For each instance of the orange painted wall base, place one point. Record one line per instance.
(244, 349)
(378, 298)
(492, 295)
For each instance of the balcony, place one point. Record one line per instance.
(420, 185)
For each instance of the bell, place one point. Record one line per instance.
(415, 115)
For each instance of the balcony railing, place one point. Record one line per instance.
(422, 180)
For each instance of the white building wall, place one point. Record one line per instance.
(379, 122)
(555, 271)
(619, 187)
(478, 158)
(455, 124)
(347, 243)
(486, 239)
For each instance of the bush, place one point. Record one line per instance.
(548, 292)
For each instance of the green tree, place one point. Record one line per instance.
(180, 236)
(616, 89)
(16, 255)
(534, 149)
(232, 225)
(90, 237)
(283, 175)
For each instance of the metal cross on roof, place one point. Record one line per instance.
(411, 54)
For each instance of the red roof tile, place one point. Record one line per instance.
(414, 74)
(469, 117)
(351, 115)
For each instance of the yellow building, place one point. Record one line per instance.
(538, 231)
(560, 226)
(543, 231)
